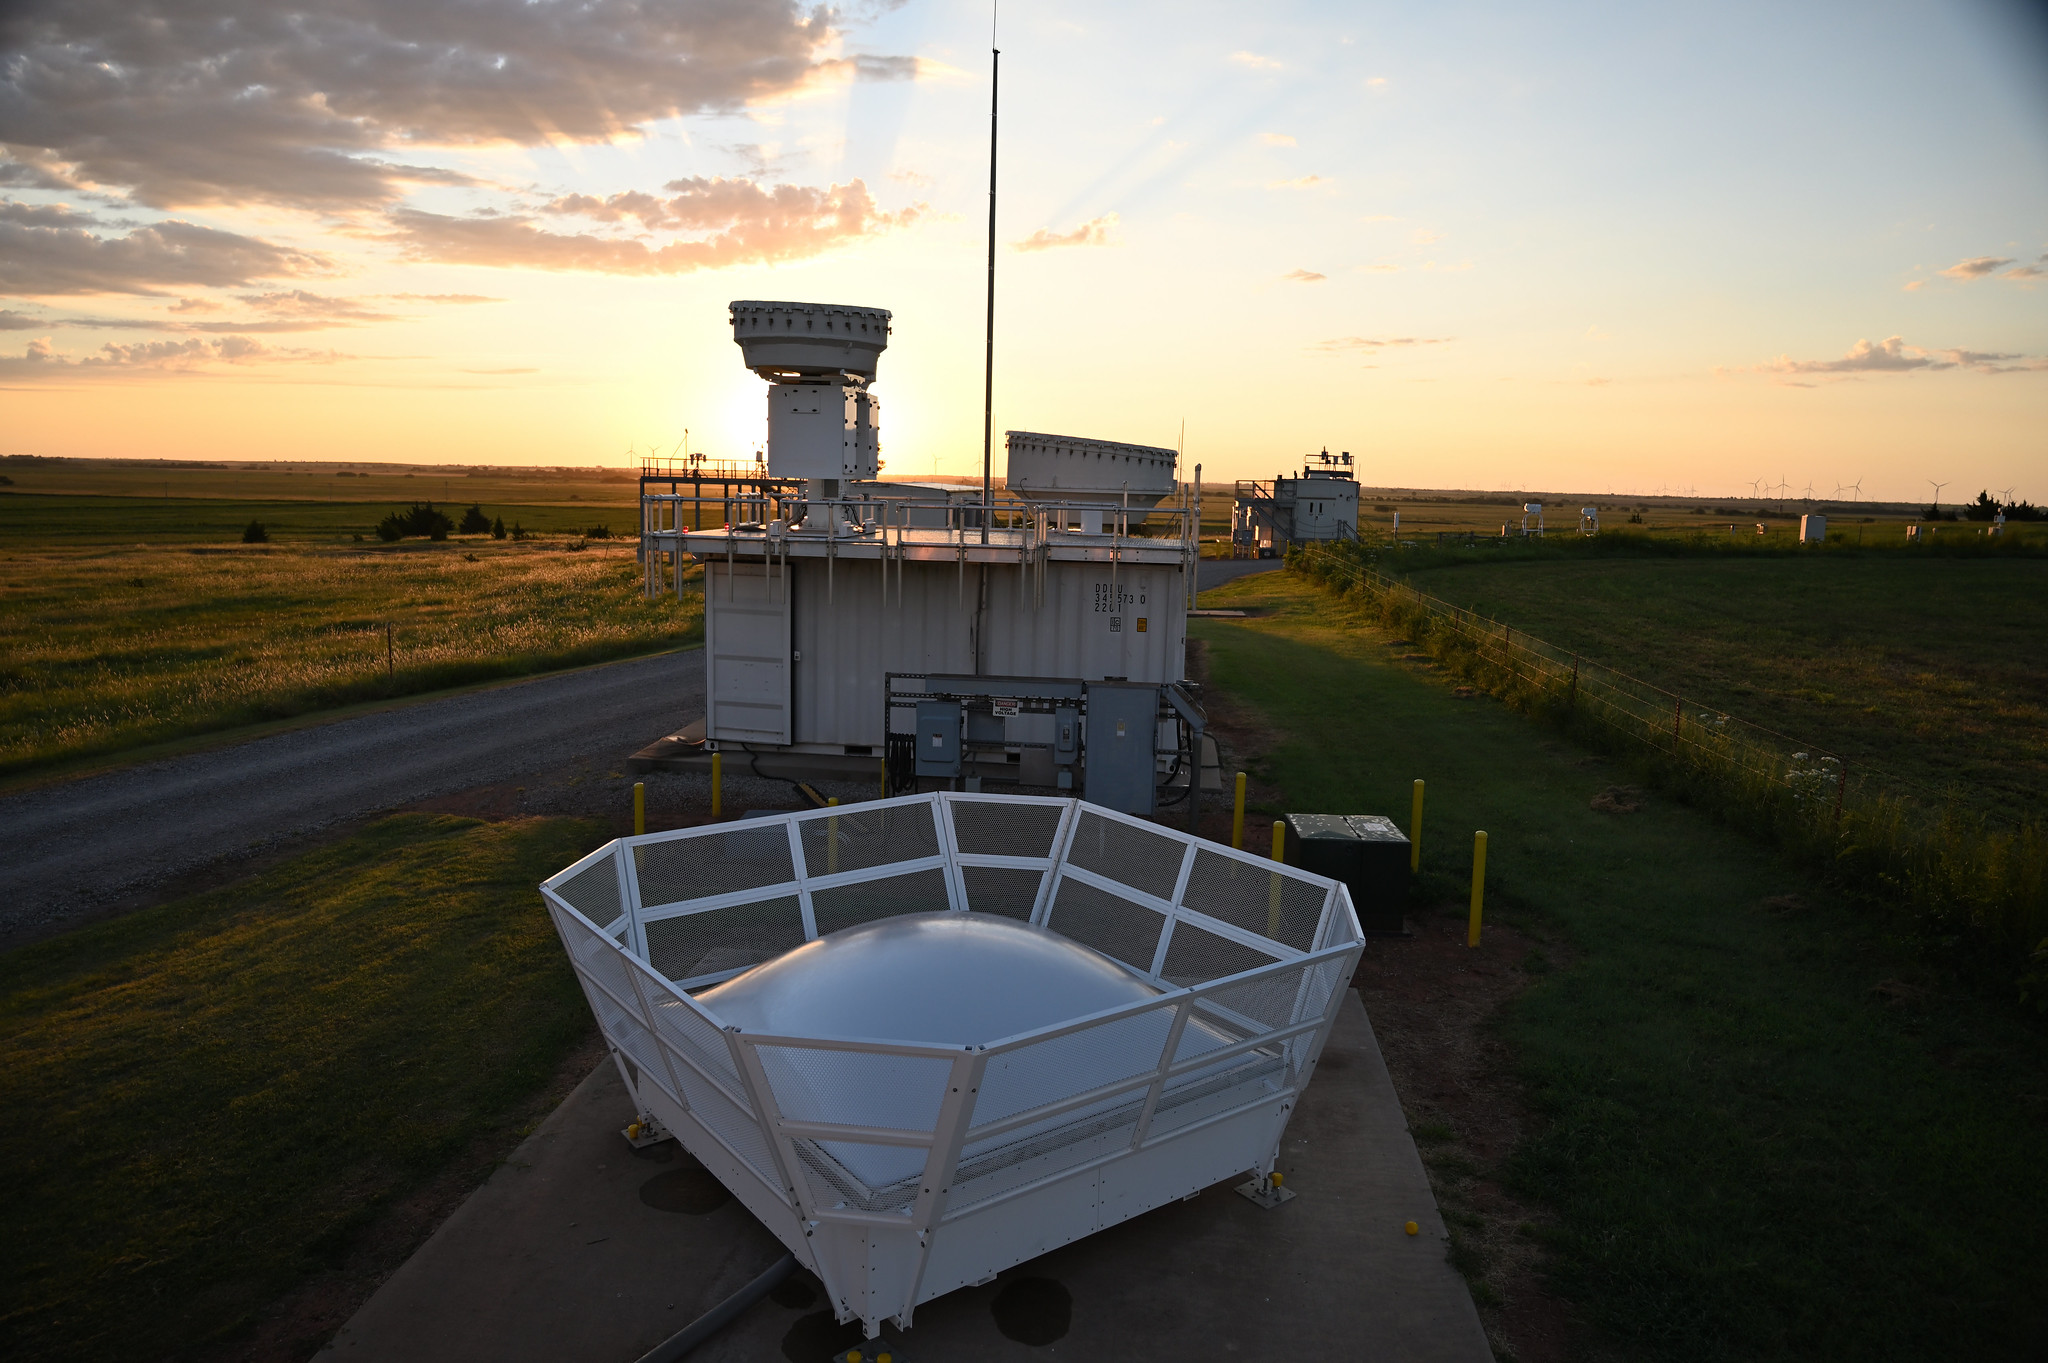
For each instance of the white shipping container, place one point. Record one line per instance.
(845, 634)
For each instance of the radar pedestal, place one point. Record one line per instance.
(824, 426)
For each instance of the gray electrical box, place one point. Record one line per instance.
(1121, 771)
(938, 738)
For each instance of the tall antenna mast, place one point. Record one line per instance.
(988, 385)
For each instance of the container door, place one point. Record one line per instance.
(746, 639)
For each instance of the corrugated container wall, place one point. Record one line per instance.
(846, 634)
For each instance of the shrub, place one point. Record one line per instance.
(474, 521)
(498, 528)
(420, 519)
(518, 531)
(254, 533)
(598, 532)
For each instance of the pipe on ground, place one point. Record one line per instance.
(721, 1315)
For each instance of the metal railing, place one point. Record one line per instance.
(1250, 959)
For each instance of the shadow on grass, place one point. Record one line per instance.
(205, 1103)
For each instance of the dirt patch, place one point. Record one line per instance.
(1432, 1000)
(296, 1327)
(1618, 800)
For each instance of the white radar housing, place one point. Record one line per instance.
(810, 340)
(1067, 468)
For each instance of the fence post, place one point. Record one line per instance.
(1677, 713)
(639, 808)
(1237, 817)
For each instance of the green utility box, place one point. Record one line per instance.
(1365, 851)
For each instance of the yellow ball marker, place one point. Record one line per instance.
(1412, 1228)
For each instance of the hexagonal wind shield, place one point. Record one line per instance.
(924, 1039)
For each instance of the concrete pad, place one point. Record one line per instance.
(559, 1258)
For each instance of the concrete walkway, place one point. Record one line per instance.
(580, 1250)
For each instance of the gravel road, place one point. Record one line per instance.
(1214, 572)
(72, 848)
(81, 849)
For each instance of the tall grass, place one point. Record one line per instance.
(1963, 879)
(102, 650)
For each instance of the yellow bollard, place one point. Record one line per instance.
(1415, 830)
(1237, 817)
(1273, 892)
(717, 784)
(1478, 887)
(639, 808)
(832, 838)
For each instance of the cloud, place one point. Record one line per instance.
(188, 102)
(300, 303)
(1255, 61)
(1422, 236)
(1915, 285)
(187, 356)
(1889, 356)
(1277, 140)
(1381, 268)
(1975, 268)
(196, 305)
(43, 215)
(1302, 182)
(510, 369)
(20, 321)
(1343, 344)
(1094, 232)
(1304, 276)
(1893, 356)
(742, 222)
(40, 256)
(452, 298)
(2027, 272)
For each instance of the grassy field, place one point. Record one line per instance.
(106, 648)
(1929, 669)
(206, 1103)
(146, 480)
(1762, 1131)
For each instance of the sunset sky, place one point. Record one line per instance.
(1581, 247)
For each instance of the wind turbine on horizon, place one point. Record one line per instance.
(1937, 491)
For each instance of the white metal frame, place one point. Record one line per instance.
(995, 1191)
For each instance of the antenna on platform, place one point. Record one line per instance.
(988, 383)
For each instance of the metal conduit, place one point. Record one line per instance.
(721, 1315)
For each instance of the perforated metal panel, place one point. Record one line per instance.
(818, 1133)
